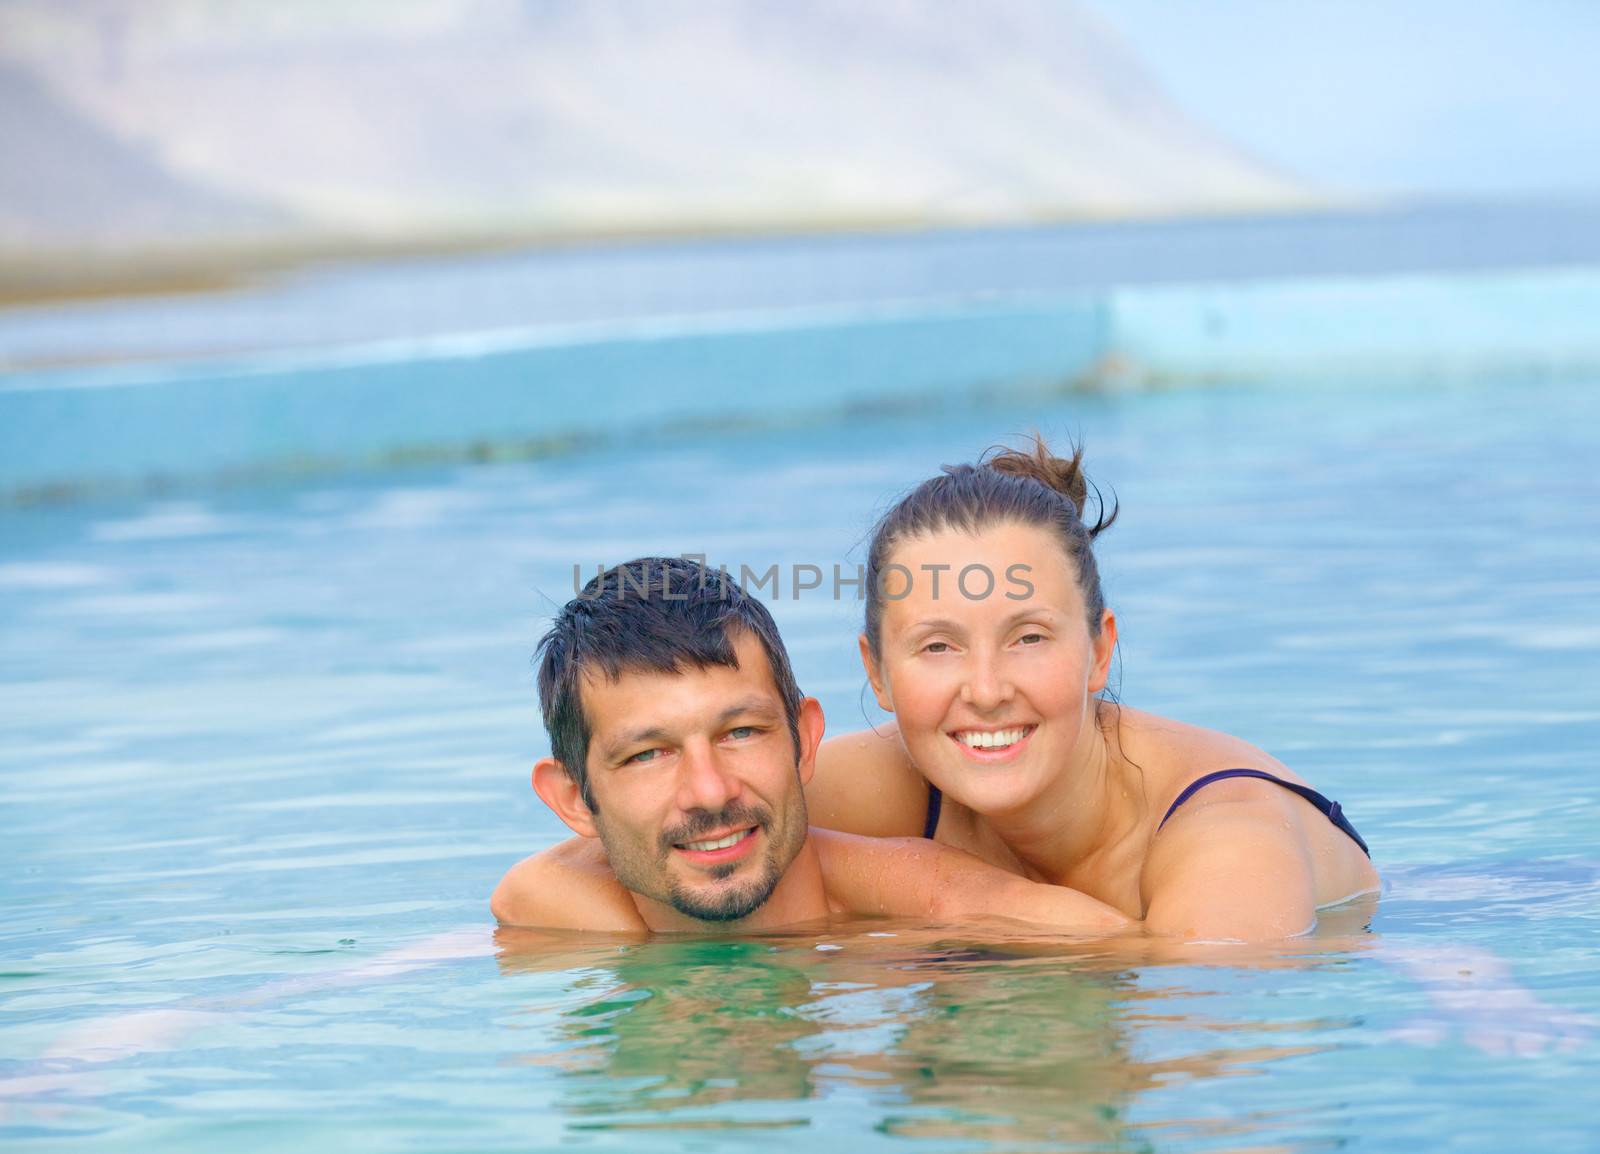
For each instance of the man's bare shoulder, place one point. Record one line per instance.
(568, 886)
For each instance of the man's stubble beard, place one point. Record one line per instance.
(723, 904)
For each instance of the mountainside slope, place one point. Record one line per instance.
(478, 117)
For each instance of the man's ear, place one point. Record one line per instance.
(811, 724)
(880, 685)
(1104, 646)
(560, 792)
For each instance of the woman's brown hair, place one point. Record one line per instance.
(1026, 486)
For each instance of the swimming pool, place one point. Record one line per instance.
(260, 736)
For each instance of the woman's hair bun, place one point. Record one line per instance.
(1027, 486)
(1065, 475)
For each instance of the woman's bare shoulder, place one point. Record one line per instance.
(865, 784)
(1246, 821)
(1170, 754)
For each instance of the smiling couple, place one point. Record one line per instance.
(683, 754)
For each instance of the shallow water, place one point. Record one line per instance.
(257, 741)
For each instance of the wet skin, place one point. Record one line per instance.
(697, 789)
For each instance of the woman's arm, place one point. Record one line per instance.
(864, 783)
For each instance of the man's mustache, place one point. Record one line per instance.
(704, 821)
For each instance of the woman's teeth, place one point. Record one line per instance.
(719, 843)
(998, 739)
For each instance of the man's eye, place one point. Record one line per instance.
(1030, 638)
(741, 732)
(936, 647)
(642, 756)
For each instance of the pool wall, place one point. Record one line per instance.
(68, 432)
(1454, 328)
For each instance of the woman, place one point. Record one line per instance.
(988, 637)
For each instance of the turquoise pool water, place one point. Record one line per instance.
(259, 740)
(266, 745)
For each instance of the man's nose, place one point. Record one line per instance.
(986, 687)
(703, 781)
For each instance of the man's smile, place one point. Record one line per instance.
(721, 848)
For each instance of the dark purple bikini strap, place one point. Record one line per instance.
(1329, 809)
(935, 802)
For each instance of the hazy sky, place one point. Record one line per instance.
(1469, 97)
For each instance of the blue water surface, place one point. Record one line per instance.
(261, 741)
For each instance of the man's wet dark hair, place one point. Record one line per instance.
(650, 615)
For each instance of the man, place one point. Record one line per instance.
(680, 746)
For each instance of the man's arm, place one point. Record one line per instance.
(569, 886)
(912, 877)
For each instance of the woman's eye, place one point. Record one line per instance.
(936, 647)
(1030, 639)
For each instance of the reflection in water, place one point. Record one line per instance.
(1014, 1048)
(935, 1037)
(685, 1025)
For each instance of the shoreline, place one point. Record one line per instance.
(64, 274)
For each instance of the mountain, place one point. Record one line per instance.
(65, 176)
(141, 124)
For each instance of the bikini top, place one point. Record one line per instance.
(1328, 809)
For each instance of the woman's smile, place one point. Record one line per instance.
(995, 689)
(993, 745)
(998, 683)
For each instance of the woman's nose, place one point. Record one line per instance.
(986, 686)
